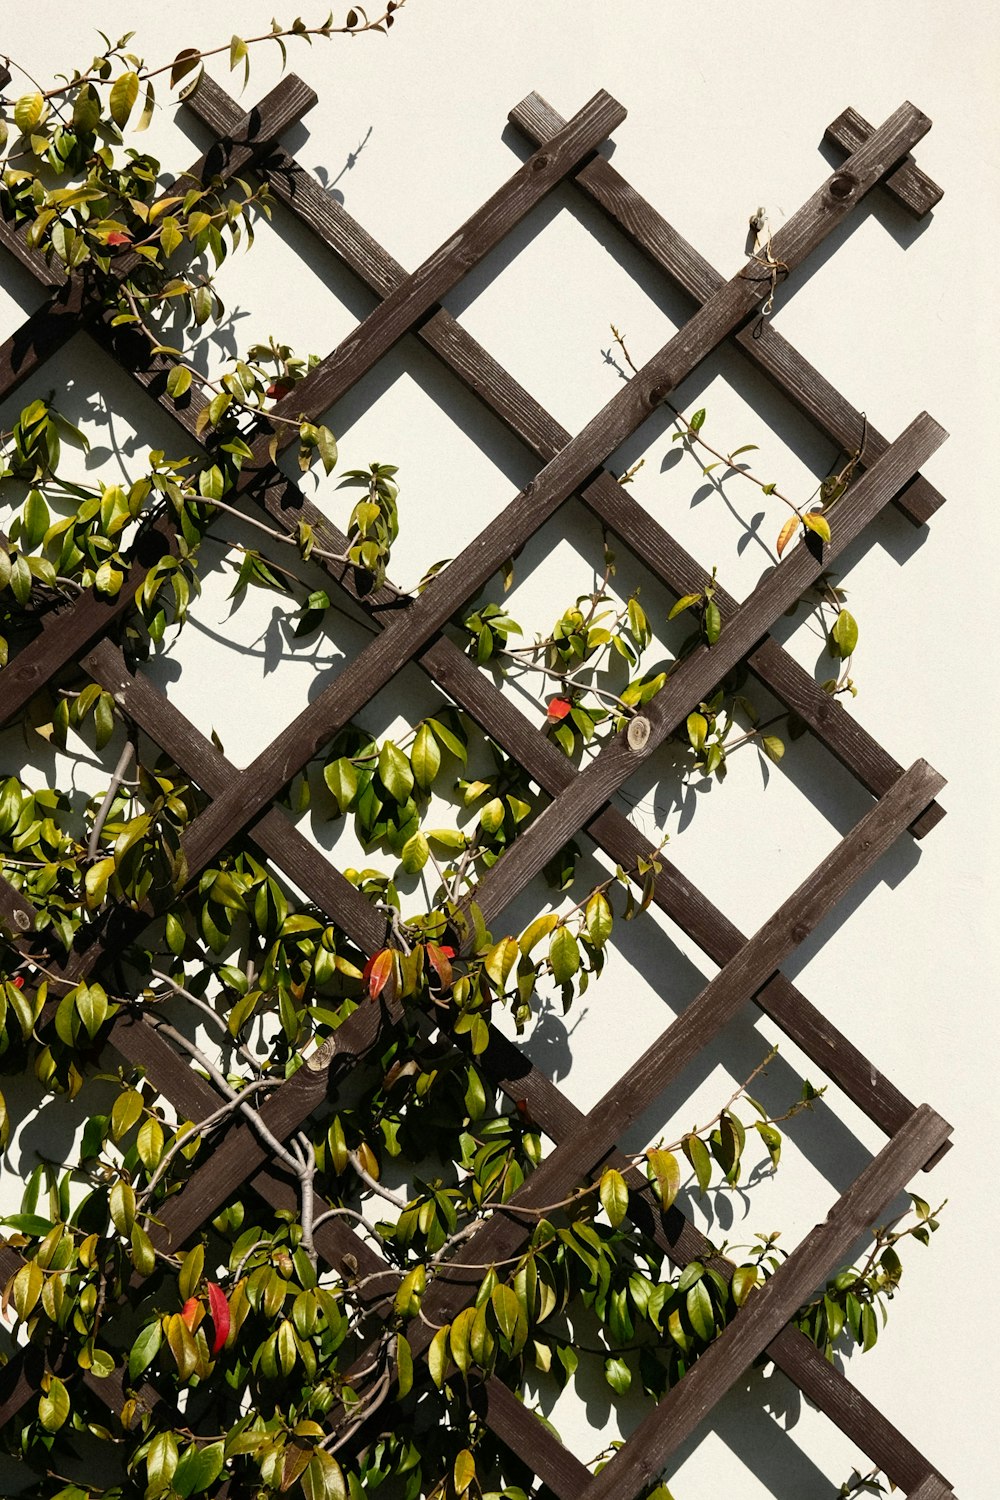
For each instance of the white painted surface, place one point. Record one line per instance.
(726, 110)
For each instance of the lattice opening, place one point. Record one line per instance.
(750, 968)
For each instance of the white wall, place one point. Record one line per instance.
(726, 111)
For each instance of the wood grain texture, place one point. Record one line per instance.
(763, 346)
(379, 662)
(605, 497)
(643, 1082)
(850, 1410)
(674, 1418)
(696, 676)
(908, 184)
(67, 632)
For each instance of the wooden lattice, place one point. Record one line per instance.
(243, 801)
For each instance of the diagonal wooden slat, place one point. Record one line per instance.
(696, 677)
(583, 1142)
(333, 226)
(662, 1431)
(908, 184)
(378, 663)
(763, 345)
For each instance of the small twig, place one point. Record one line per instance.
(117, 777)
(374, 1185)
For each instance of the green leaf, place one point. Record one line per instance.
(614, 1196)
(844, 635)
(773, 747)
(404, 1367)
(144, 1350)
(425, 757)
(178, 381)
(564, 955)
(437, 1355)
(327, 445)
(696, 1151)
(409, 1293)
(506, 1309)
(54, 1406)
(464, 1471)
(713, 622)
(124, 92)
(324, 1478)
(598, 919)
(685, 602)
(394, 770)
(125, 1112)
(697, 728)
(35, 521)
(28, 112)
(199, 1468)
(341, 777)
(668, 1174)
(618, 1375)
(743, 1282)
(817, 522)
(536, 930)
(699, 1311)
(414, 854)
(122, 1207)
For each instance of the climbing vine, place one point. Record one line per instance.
(241, 1357)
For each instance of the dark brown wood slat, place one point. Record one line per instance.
(852, 1412)
(662, 1431)
(825, 1385)
(209, 1186)
(932, 1488)
(379, 662)
(841, 733)
(605, 497)
(852, 745)
(584, 1148)
(204, 763)
(696, 677)
(673, 893)
(524, 1434)
(763, 346)
(25, 351)
(908, 184)
(423, 288)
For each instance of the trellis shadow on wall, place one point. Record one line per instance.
(749, 969)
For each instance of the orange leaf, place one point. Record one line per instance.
(559, 708)
(190, 1311)
(378, 971)
(440, 959)
(786, 533)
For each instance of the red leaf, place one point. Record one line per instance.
(18, 981)
(277, 389)
(378, 971)
(116, 237)
(440, 960)
(190, 1311)
(220, 1315)
(559, 708)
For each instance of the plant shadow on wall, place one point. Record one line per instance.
(329, 1331)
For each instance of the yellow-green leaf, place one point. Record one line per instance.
(124, 93)
(53, 1406)
(614, 1196)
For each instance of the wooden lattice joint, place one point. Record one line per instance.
(243, 801)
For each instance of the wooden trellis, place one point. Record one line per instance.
(242, 802)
